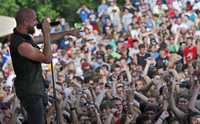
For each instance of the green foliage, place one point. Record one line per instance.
(44, 10)
(8, 7)
(51, 8)
(120, 3)
(68, 8)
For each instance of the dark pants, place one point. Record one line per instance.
(34, 107)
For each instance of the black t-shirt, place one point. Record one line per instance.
(141, 59)
(29, 80)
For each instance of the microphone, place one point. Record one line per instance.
(39, 25)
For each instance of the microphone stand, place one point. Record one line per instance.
(58, 116)
(54, 92)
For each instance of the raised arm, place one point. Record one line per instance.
(114, 91)
(180, 114)
(162, 117)
(146, 69)
(141, 96)
(99, 98)
(194, 98)
(56, 36)
(148, 85)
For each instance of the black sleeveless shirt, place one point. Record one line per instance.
(29, 80)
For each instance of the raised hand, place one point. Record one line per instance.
(45, 27)
(164, 115)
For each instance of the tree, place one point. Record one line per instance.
(51, 8)
(8, 7)
(68, 8)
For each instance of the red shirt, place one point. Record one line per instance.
(95, 26)
(190, 53)
(130, 42)
(189, 7)
(171, 13)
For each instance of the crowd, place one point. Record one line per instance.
(134, 64)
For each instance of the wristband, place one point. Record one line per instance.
(161, 118)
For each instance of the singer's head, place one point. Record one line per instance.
(26, 19)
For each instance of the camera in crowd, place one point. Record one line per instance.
(88, 104)
(184, 84)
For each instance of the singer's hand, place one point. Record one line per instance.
(45, 27)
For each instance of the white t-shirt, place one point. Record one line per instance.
(133, 51)
(196, 6)
(174, 28)
(9, 81)
(178, 5)
(127, 19)
(134, 33)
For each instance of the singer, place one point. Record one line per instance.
(27, 59)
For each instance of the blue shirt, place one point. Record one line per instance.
(84, 15)
(102, 8)
(5, 57)
(155, 55)
(192, 17)
(149, 24)
(136, 3)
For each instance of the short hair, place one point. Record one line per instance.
(106, 104)
(141, 46)
(23, 14)
(108, 47)
(116, 98)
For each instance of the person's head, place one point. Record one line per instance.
(136, 70)
(26, 18)
(182, 102)
(111, 60)
(104, 70)
(189, 41)
(106, 106)
(163, 53)
(112, 3)
(71, 66)
(142, 48)
(171, 39)
(109, 49)
(106, 109)
(139, 84)
(195, 119)
(78, 79)
(117, 104)
(100, 85)
(116, 70)
(126, 11)
(61, 77)
(120, 89)
(108, 30)
(84, 64)
(135, 44)
(150, 112)
(120, 43)
(103, 2)
(83, 6)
